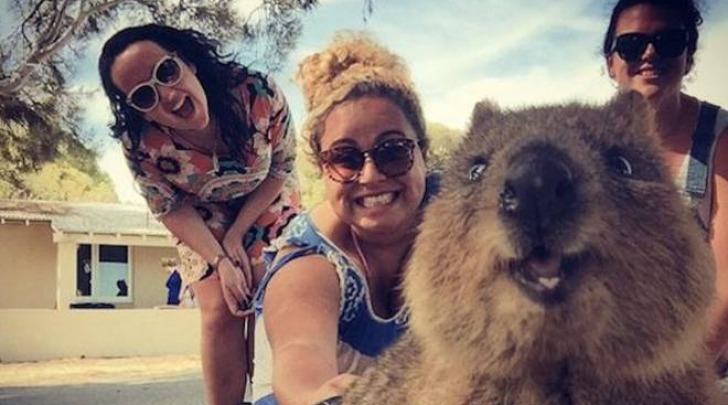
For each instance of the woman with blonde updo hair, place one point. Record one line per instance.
(330, 300)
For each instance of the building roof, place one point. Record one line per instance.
(85, 217)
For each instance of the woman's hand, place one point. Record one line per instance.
(333, 387)
(236, 288)
(232, 243)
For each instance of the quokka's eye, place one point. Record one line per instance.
(618, 164)
(477, 169)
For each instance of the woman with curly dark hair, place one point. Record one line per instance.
(650, 47)
(211, 146)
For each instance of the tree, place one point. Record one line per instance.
(443, 141)
(39, 113)
(63, 181)
(309, 177)
(73, 175)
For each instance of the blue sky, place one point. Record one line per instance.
(462, 51)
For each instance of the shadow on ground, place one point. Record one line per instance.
(182, 390)
(165, 380)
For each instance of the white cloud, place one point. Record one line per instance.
(517, 58)
(538, 86)
(95, 107)
(460, 37)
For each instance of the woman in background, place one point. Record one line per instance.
(649, 47)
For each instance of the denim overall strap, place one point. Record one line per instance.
(696, 182)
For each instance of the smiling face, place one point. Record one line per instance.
(651, 75)
(181, 106)
(373, 203)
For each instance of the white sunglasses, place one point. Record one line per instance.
(167, 72)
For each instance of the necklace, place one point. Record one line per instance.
(362, 257)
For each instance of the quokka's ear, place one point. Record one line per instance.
(484, 111)
(485, 115)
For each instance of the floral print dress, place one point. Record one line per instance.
(170, 175)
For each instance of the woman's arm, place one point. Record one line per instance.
(719, 243)
(256, 203)
(301, 313)
(281, 135)
(186, 224)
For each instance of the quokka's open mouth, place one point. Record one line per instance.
(546, 276)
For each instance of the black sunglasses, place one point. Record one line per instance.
(167, 72)
(668, 44)
(392, 157)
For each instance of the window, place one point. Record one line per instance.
(103, 272)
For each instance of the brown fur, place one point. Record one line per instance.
(629, 318)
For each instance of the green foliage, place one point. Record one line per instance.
(309, 176)
(7, 189)
(64, 182)
(72, 175)
(41, 159)
(31, 133)
(443, 140)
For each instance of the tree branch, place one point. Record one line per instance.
(27, 19)
(16, 79)
(56, 23)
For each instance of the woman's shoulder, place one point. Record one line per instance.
(300, 248)
(299, 238)
(718, 130)
(721, 124)
(262, 98)
(305, 231)
(720, 158)
(257, 83)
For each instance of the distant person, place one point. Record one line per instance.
(330, 301)
(211, 144)
(174, 282)
(649, 47)
(122, 287)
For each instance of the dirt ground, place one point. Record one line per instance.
(90, 371)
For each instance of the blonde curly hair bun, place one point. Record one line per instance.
(352, 66)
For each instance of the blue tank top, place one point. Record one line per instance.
(362, 334)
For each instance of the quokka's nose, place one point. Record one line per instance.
(538, 190)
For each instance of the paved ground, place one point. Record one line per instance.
(168, 380)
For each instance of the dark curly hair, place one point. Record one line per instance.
(217, 76)
(686, 10)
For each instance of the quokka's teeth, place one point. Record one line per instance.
(549, 282)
